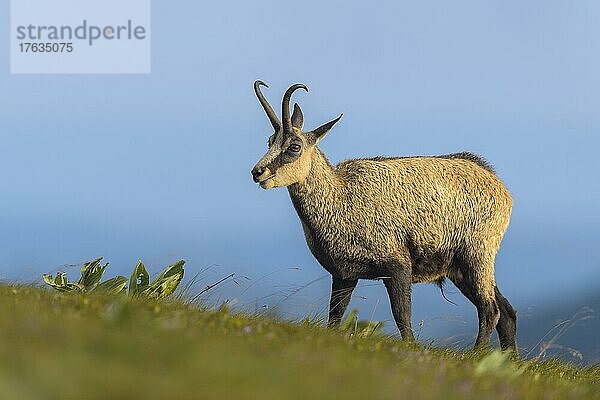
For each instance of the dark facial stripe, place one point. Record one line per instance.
(286, 157)
(283, 158)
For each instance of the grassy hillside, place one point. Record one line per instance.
(54, 345)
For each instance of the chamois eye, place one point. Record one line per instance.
(294, 148)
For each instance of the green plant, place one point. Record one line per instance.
(361, 328)
(139, 282)
(500, 364)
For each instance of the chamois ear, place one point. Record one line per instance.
(297, 117)
(321, 131)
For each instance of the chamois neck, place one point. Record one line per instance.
(319, 191)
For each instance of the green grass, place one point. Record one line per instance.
(60, 346)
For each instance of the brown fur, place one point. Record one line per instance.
(405, 220)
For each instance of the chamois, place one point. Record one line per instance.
(403, 220)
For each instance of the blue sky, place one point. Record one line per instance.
(157, 166)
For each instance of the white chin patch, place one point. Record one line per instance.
(268, 184)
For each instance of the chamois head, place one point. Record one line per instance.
(288, 159)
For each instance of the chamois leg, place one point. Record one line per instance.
(476, 282)
(341, 291)
(399, 289)
(507, 324)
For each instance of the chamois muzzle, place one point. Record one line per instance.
(256, 173)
